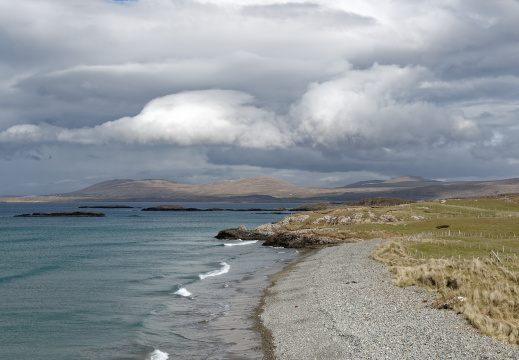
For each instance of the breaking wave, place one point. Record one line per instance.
(158, 355)
(183, 292)
(225, 269)
(241, 242)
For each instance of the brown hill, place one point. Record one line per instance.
(270, 189)
(407, 178)
(267, 189)
(165, 189)
(462, 190)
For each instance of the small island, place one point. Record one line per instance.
(168, 208)
(65, 213)
(106, 207)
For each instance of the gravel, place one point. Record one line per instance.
(339, 304)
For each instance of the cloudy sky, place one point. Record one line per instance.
(318, 93)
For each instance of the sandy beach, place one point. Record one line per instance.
(339, 304)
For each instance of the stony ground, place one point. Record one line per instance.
(339, 304)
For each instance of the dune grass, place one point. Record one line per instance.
(484, 290)
(468, 254)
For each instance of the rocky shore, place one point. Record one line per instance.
(314, 229)
(276, 234)
(339, 304)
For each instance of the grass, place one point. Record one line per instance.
(483, 290)
(465, 249)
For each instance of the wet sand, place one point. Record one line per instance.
(240, 329)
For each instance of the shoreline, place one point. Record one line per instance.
(237, 330)
(339, 304)
(267, 344)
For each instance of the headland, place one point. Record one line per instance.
(443, 285)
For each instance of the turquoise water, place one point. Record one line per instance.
(131, 285)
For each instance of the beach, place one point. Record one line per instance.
(338, 304)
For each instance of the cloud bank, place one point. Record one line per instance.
(307, 91)
(375, 108)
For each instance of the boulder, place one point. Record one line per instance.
(298, 240)
(242, 233)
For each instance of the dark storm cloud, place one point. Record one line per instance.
(377, 161)
(316, 91)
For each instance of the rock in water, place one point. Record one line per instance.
(242, 233)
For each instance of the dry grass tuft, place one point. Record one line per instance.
(484, 291)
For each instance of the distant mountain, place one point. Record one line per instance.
(267, 189)
(401, 181)
(462, 189)
(439, 190)
(408, 178)
(365, 183)
(261, 188)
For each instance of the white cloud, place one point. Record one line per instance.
(211, 117)
(372, 108)
(30, 133)
(379, 107)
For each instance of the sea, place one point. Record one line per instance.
(133, 284)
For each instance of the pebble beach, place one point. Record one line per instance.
(339, 304)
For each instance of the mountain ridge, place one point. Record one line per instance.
(408, 178)
(401, 181)
(269, 189)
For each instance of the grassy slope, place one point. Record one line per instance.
(466, 249)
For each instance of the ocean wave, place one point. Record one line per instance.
(225, 269)
(241, 242)
(183, 292)
(33, 272)
(158, 355)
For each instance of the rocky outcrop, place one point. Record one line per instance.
(294, 219)
(274, 235)
(243, 233)
(262, 232)
(296, 231)
(357, 218)
(298, 240)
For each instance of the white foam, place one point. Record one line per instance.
(225, 269)
(159, 355)
(241, 242)
(183, 292)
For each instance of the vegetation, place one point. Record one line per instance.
(465, 249)
(378, 201)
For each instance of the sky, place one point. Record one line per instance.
(317, 93)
